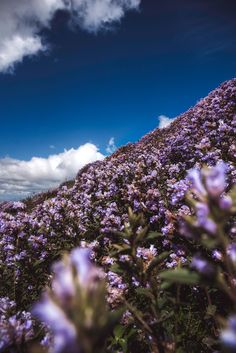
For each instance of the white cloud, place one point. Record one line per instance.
(14, 49)
(164, 121)
(111, 147)
(95, 14)
(22, 20)
(19, 178)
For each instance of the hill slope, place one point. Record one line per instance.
(149, 176)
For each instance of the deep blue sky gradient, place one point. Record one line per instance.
(116, 83)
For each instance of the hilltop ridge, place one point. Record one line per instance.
(189, 129)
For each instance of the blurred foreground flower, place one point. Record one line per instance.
(212, 206)
(228, 336)
(209, 181)
(203, 266)
(75, 309)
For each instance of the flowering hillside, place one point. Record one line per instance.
(151, 179)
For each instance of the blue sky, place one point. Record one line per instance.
(159, 59)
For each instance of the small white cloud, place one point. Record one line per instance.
(111, 147)
(52, 147)
(164, 121)
(22, 21)
(19, 178)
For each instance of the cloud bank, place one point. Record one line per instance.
(164, 121)
(19, 179)
(21, 22)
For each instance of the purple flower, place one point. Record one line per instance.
(64, 332)
(211, 181)
(215, 179)
(63, 284)
(225, 202)
(16, 328)
(232, 252)
(228, 336)
(202, 266)
(203, 220)
(217, 255)
(80, 258)
(194, 176)
(147, 254)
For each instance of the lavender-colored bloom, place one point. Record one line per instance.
(171, 264)
(228, 336)
(16, 328)
(6, 305)
(225, 202)
(63, 284)
(203, 220)
(17, 205)
(217, 255)
(80, 258)
(209, 181)
(63, 330)
(147, 254)
(194, 176)
(202, 266)
(115, 280)
(215, 179)
(47, 341)
(135, 282)
(232, 252)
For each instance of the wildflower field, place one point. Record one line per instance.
(138, 254)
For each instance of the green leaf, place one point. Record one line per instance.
(123, 343)
(116, 269)
(141, 234)
(115, 316)
(182, 276)
(154, 235)
(38, 262)
(232, 194)
(119, 331)
(209, 243)
(165, 285)
(122, 249)
(144, 291)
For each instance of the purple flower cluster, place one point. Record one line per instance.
(16, 328)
